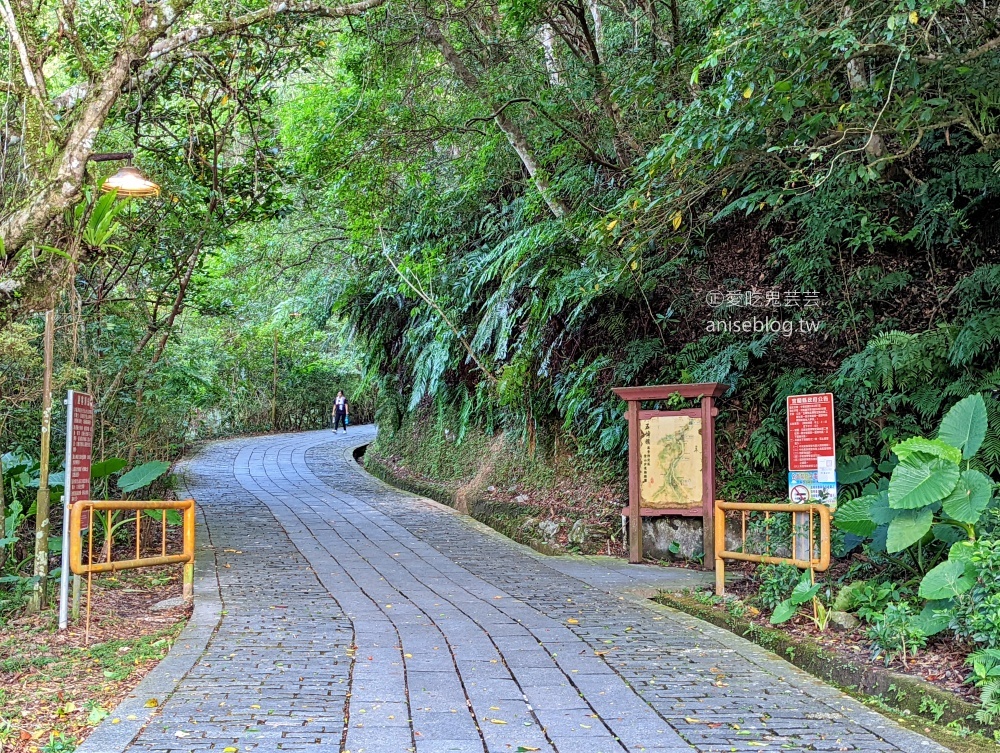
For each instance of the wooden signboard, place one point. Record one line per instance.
(671, 458)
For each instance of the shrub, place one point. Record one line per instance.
(896, 633)
(986, 676)
(976, 612)
(776, 583)
(871, 600)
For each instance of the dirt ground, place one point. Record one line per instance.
(56, 687)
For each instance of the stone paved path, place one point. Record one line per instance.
(360, 618)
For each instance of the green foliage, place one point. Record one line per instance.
(142, 475)
(847, 598)
(985, 675)
(804, 591)
(896, 634)
(776, 584)
(975, 614)
(934, 497)
(872, 598)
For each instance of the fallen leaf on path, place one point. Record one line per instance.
(152, 703)
(497, 721)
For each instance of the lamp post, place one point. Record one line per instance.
(128, 182)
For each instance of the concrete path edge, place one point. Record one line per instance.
(130, 717)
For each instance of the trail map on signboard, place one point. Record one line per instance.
(670, 463)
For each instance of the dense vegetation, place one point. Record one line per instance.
(496, 212)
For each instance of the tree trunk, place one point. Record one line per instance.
(547, 37)
(514, 135)
(857, 79)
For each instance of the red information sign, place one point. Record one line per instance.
(79, 443)
(810, 430)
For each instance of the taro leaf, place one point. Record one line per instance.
(855, 470)
(935, 616)
(174, 518)
(142, 475)
(946, 580)
(928, 448)
(880, 511)
(917, 484)
(855, 516)
(887, 466)
(907, 528)
(970, 497)
(804, 591)
(961, 551)
(850, 542)
(106, 467)
(947, 533)
(783, 612)
(877, 544)
(964, 426)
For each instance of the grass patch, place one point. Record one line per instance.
(55, 687)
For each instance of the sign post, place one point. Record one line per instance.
(79, 444)
(671, 458)
(812, 458)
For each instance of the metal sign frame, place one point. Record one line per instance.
(706, 393)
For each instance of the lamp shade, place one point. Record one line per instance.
(128, 181)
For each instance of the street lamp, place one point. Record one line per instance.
(128, 181)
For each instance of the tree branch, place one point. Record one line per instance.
(272, 10)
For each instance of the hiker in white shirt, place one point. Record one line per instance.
(340, 411)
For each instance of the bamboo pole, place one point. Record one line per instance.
(41, 571)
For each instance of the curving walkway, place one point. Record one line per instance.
(356, 617)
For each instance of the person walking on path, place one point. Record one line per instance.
(340, 411)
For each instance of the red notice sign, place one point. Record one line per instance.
(810, 430)
(79, 444)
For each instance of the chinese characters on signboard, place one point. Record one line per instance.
(80, 436)
(812, 467)
(670, 463)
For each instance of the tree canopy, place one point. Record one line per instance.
(510, 207)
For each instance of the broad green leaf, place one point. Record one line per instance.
(855, 470)
(961, 551)
(804, 591)
(142, 475)
(946, 580)
(783, 612)
(934, 617)
(106, 467)
(908, 528)
(174, 517)
(880, 511)
(855, 516)
(970, 497)
(917, 484)
(928, 448)
(947, 533)
(964, 426)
